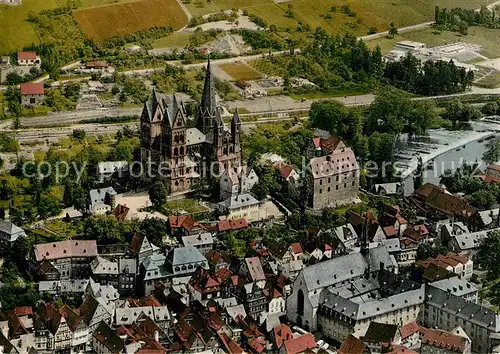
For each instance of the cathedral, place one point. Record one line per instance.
(184, 154)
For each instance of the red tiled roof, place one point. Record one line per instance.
(317, 142)
(228, 225)
(447, 260)
(296, 248)
(222, 274)
(231, 346)
(400, 349)
(332, 143)
(23, 311)
(121, 212)
(458, 258)
(66, 249)
(493, 167)
(352, 345)
(257, 344)
(487, 178)
(281, 333)
(185, 221)
(255, 269)
(32, 88)
(444, 340)
(390, 231)
(409, 329)
(300, 344)
(26, 55)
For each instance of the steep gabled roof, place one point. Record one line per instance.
(352, 345)
(109, 338)
(299, 344)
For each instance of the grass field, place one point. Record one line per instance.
(240, 72)
(105, 22)
(176, 40)
(16, 32)
(340, 92)
(369, 13)
(488, 38)
(491, 81)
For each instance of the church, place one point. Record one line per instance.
(187, 155)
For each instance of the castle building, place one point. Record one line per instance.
(180, 154)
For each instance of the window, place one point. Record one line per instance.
(320, 191)
(32, 100)
(353, 183)
(337, 178)
(320, 182)
(345, 185)
(329, 189)
(337, 187)
(329, 180)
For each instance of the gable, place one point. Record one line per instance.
(145, 246)
(158, 115)
(179, 121)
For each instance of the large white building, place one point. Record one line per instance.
(303, 303)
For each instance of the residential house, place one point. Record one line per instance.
(240, 206)
(102, 200)
(142, 248)
(353, 345)
(448, 231)
(410, 335)
(80, 335)
(28, 59)
(335, 179)
(417, 233)
(108, 169)
(389, 189)
(392, 222)
(93, 311)
(276, 302)
(301, 344)
(9, 232)
(203, 242)
(434, 199)
(231, 225)
(366, 223)
(204, 286)
(120, 273)
(346, 237)
(218, 260)
(239, 181)
(487, 219)
(468, 244)
(379, 336)
(279, 335)
(446, 311)
(106, 341)
(32, 94)
(452, 262)
(404, 250)
(435, 341)
(182, 225)
(288, 174)
(70, 259)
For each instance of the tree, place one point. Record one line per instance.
(268, 181)
(488, 255)
(390, 111)
(14, 78)
(47, 206)
(107, 229)
(158, 194)
(155, 229)
(492, 155)
(490, 108)
(79, 134)
(393, 31)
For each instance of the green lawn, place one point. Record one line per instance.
(488, 38)
(341, 92)
(176, 40)
(68, 229)
(240, 72)
(491, 81)
(188, 205)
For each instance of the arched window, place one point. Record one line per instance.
(181, 150)
(300, 302)
(176, 151)
(176, 139)
(181, 138)
(224, 150)
(231, 149)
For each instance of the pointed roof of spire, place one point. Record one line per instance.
(208, 102)
(236, 117)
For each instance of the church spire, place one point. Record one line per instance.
(207, 111)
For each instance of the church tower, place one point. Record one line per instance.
(236, 133)
(208, 112)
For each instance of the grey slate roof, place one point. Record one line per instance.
(459, 307)
(471, 240)
(198, 240)
(390, 188)
(184, 255)
(10, 232)
(346, 267)
(456, 286)
(239, 201)
(102, 266)
(97, 195)
(130, 315)
(488, 216)
(392, 244)
(376, 307)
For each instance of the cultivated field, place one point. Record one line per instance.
(121, 19)
(240, 72)
(487, 38)
(16, 32)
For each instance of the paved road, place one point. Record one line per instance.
(75, 117)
